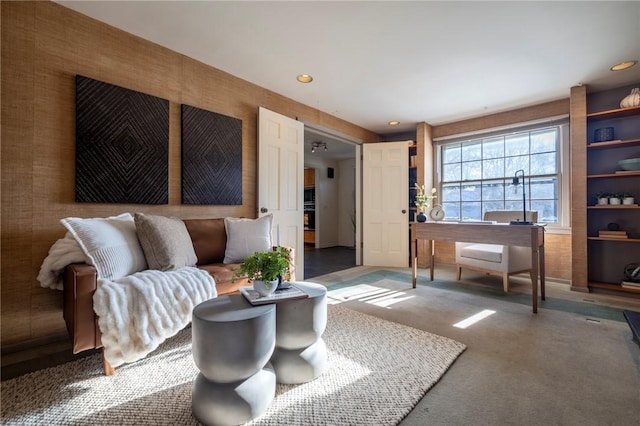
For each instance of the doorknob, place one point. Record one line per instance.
(263, 210)
(404, 211)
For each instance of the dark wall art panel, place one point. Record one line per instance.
(122, 145)
(211, 158)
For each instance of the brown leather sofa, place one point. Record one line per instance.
(209, 240)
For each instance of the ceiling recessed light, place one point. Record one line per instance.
(394, 123)
(304, 78)
(623, 65)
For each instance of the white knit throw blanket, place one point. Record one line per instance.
(62, 253)
(138, 312)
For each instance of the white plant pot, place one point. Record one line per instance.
(265, 288)
(614, 201)
(603, 201)
(627, 201)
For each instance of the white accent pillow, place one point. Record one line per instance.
(246, 236)
(111, 244)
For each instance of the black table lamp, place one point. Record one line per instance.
(516, 181)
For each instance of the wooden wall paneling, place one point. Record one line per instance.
(558, 260)
(53, 186)
(520, 115)
(578, 149)
(426, 176)
(215, 90)
(17, 80)
(445, 252)
(44, 45)
(557, 254)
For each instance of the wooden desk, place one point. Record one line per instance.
(504, 234)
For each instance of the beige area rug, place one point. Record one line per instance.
(378, 371)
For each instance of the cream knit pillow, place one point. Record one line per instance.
(111, 244)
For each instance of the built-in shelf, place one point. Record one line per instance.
(614, 144)
(613, 207)
(614, 175)
(413, 179)
(622, 240)
(599, 264)
(616, 287)
(613, 113)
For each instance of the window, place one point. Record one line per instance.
(476, 175)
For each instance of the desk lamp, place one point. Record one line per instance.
(524, 220)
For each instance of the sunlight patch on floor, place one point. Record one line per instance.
(373, 295)
(474, 319)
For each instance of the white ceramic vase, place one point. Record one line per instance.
(627, 201)
(265, 288)
(632, 99)
(614, 201)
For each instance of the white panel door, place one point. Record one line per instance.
(280, 180)
(385, 190)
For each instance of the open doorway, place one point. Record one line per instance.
(330, 203)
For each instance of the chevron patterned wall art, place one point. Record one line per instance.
(211, 158)
(122, 145)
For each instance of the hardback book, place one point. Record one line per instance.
(612, 234)
(630, 284)
(279, 295)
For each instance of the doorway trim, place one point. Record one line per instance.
(357, 143)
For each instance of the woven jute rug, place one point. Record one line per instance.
(378, 371)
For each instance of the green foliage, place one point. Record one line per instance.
(423, 201)
(266, 265)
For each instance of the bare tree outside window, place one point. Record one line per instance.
(476, 175)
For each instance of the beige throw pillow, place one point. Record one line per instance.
(165, 241)
(246, 236)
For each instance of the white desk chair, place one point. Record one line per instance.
(493, 258)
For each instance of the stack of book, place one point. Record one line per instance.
(631, 284)
(612, 234)
(286, 293)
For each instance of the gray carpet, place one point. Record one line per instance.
(378, 371)
(573, 363)
(484, 286)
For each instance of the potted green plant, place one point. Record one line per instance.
(264, 269)
(628, 198)
(615, 199)
(423, 201)
(602, 198)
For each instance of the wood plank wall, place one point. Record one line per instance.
(580, 275)
(557, 246)
(44, 45)
(557, 255)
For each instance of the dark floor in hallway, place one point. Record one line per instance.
(325, 260)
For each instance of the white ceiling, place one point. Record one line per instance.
(373, 62)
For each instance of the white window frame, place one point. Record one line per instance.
(564, 195)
